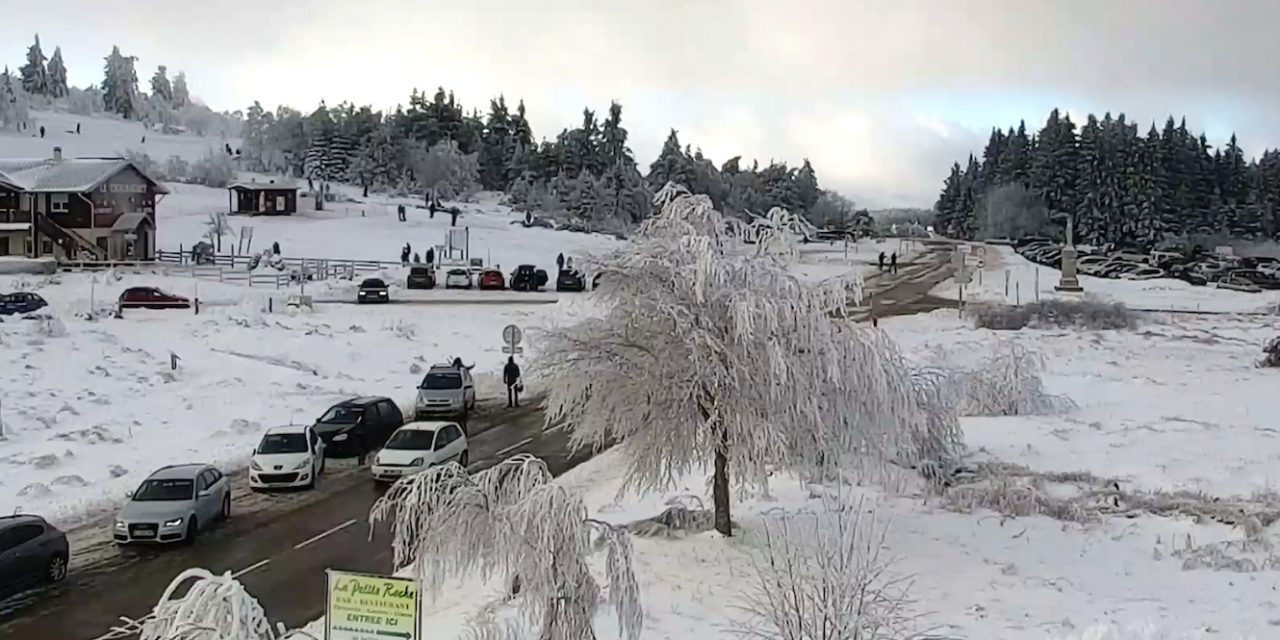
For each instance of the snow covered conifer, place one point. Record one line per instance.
(708, 353)
(57, 75)
(35, 75)
(181, 96)
(120, 84)
(512, 521)
(160, 86)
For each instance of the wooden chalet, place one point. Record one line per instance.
(77, 208)
(262, 198)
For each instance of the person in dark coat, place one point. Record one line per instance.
(275, 248)
(431, 255)
(404, 255)
(511, 377)
(77, 128)
(560, 262)
(41, 132)
(882, 261)
(417, 259)
(893, 262)
(453, 218)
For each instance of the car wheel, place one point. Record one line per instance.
(226, 507)
(193, 529)
(57, 568)
(464, 459)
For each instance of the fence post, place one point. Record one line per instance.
(1006, 283)
(1037, 284)
(1017, 287)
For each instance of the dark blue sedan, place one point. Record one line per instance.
(21, 302)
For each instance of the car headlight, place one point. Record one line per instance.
(120, 524)
(173, 523)
(340, 437)
(417, 462)
(255, 466)
(302, 465)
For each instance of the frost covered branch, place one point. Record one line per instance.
(512, 521)
(214, 608)
(706, 354)
(1007, 382)
(822, 576)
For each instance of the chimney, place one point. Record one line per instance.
(57, 154)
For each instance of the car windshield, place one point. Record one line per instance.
(441, 380)
(373, 284)
(342, 413)
(161, 490)
(419, 271)
(283, 443)
(412, 440)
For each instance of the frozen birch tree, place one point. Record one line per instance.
(213, 608)
(710, 354)
(511, 521)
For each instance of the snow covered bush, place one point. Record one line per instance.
(707, 353)
(213, 608)
(1088, 314)
(1007, 382)
(512, 521)
(822, 576)
(1271, 353)
(84, 102)
(215, 170)
(176, 169)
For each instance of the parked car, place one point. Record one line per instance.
(372, 419)
(21, 302)
(32, 552)
(418, 446)
(446, 390)
(1234, 282)
(570, 280)
(1258, 278)
(174, 504)
(457, 279)
(528, 278)
(1090, 265)
(288, 456)
(373, 290)
(1144, 273)
(152, 298)
(421, 277)
(492, 279)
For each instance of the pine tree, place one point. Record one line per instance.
(120, 84)
(181, 96)
(671, 165)
(57, 75)
(35, 73)
(160, 85)
(8, 100)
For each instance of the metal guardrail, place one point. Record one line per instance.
(234, 269)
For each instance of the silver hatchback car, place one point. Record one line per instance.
(174, 504)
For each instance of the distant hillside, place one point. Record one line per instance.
(103, 136)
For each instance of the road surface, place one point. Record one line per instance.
(279, 544)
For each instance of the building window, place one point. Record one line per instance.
(4, 245)
(46, 246)
(59, 202)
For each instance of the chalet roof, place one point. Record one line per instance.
(262, 186)
(128, 222)
(69, 175)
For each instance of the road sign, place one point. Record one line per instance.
(512, 335)
(964, 275)
(366, 607)
(512, 350)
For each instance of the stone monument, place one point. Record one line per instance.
(1069, 281)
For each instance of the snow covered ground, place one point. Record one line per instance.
(102, 137)
(1174, 405)
(90, 407)
(1025, 277)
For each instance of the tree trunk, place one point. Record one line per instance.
(720, 485)
(366, 190)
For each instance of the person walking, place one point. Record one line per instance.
(511, 376)
(400, 212)
(882, 261)
(41, 132)
(275, 248)
(404, 256)
(431, 255)
(893, 263)
(560, 262)
(77, 128)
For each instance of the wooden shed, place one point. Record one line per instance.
(262, 199)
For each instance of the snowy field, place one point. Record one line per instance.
(102, 137)
(1173, 406)
(1028, 282)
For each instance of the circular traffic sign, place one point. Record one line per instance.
(512, 335)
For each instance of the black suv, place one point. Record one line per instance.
(421, 277)
(351, 422)
(570, 280)
(373, 290)
(528, 278)
(32, 552)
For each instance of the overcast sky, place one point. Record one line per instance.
(881, 96)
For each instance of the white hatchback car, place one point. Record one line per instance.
(457, 279)
(288, 456)
(419, 445)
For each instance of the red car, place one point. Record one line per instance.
(151, 298)
(492, 279)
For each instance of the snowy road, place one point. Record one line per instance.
(279, 543)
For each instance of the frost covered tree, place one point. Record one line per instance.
(214, 169)
(181, 96)
(444, 171)
(160, 86)
(57, 75)
(710, 354)
(216, 227)
(212, 607)
(512, 521)
(14, 103)
(120, 84)
(35, 73)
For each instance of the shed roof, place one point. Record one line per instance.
(128, 222)
(73, 175)
(262, 186)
